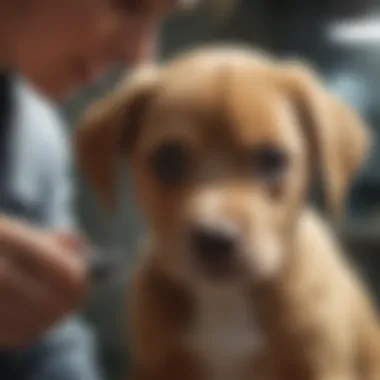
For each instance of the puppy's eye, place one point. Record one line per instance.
(170, 164)
(269, 162)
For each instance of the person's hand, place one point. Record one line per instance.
(42, 279)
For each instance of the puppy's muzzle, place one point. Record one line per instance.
(214, 249)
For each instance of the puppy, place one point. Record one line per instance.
(240, 278)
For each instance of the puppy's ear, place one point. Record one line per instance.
(109, 129)
(339, 140)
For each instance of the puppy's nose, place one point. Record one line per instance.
(213, 244)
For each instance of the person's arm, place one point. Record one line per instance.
(68, 351)
(42, 278)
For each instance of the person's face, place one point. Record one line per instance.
(61, 44)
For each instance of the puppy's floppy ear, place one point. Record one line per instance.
(339, 140)
(109, 128)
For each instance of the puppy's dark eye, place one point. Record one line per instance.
(170, 164)
(269, 162)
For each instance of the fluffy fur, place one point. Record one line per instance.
(250, 134)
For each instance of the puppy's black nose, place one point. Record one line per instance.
(213, 244)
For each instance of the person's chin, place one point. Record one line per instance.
(56, 93)
(50, 88)
(59, 88)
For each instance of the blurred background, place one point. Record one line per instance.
(340, 38)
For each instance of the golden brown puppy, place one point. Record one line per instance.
(241, 279)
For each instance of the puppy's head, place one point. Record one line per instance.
(222, 145)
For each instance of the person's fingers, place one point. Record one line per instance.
(27, 308)
(40, 281)
(20, 293)
(38, 253)
(61, 276)
(73, 242)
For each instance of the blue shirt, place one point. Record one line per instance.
(35, 177)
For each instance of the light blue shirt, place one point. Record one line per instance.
(39, 164)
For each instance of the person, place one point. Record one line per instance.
(57, 46)
(35, 187)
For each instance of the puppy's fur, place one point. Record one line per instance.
(241, 279)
